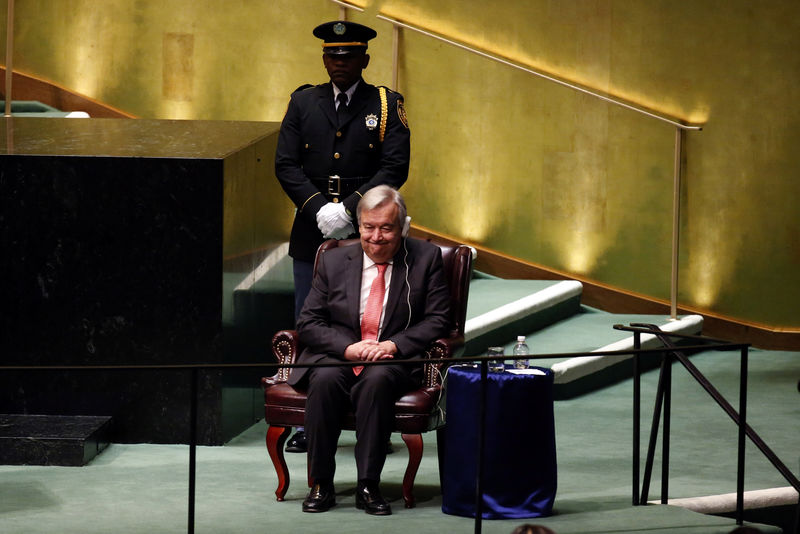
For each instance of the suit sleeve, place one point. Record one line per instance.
(288, 167)
(322, 324)
(395, 152)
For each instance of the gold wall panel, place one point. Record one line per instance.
(536, 170)
(178, 66)
(499, 157)
(255, 211)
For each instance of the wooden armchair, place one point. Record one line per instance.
(415, 412)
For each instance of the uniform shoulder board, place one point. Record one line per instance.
(389, 90)
(303, 87)
(383, 91)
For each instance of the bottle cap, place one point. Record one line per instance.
(520, 338)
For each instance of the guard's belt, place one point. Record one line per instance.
(336, 188)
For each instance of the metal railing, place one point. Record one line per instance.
(681, 126)
(703, 344)
(663, 406)
(9, 55)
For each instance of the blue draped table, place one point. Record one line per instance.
(519, 471)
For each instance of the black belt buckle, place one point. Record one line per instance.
(334, 187)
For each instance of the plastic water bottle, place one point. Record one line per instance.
(521, 349)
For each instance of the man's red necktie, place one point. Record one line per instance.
(372, 311)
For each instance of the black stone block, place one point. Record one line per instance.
(52, 439)
(116, 235)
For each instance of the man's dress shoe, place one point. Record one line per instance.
(321, 498)
(369, 499)
(297, 443)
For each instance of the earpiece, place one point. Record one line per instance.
(405, 260)
(406, 226)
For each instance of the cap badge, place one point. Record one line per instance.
(371, 121)
(339, 28)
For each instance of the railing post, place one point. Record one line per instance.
(637, 397)
(676, 220)
(395, 55)
(481, 442)
(192, 448)
(742, 429)
(9, 56)
(651, 445)
(666, 428)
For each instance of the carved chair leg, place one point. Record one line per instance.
(414, 444)
(276, 438)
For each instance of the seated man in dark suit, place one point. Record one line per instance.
(386, 299)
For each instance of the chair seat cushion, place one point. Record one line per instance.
(282, 394)
(418, 401)
(284, 405)
(416, 411)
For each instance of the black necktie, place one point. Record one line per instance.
(341, 109)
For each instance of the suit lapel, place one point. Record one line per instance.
(396, 307)
(325, 98)
(353, 269)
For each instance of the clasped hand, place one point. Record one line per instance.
(334, 222)
(370, 350)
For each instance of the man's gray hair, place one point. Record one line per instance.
(380, 195)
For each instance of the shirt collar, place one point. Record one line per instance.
(349, 92)
(369, 263)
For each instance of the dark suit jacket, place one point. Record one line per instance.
(310, 139)
(329, 321)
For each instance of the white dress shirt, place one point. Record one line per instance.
(349, 93)
(368, 274)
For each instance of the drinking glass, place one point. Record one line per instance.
(496, 363)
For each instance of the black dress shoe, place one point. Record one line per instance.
(321, 498)
(297, 443)
(369, 499)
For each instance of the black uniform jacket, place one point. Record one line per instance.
(313, 145)
(329, 321)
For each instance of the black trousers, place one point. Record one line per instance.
(303, 272)
(332, 392)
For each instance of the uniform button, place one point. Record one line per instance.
(337, 156)
(371, 145)
(338, 134)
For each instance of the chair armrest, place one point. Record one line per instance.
(441, 348)
(285, 348)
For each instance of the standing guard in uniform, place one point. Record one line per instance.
(337, 140)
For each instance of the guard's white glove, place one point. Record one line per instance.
(343, 233)
(334, 222)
